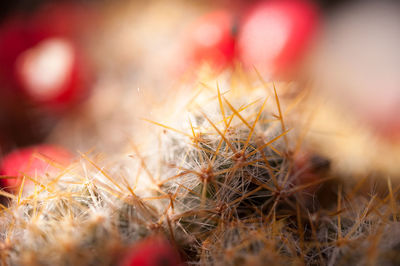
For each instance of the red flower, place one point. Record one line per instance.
(274, 34)
(211, 39)
(153, 251)
(39, 56)
(32, 161)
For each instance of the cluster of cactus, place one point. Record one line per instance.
(225, 187)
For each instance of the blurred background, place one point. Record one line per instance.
(72, 72)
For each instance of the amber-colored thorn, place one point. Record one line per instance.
(269, 121)
(221, 141)
(108, 189)
(29, 178)
(229, 188)
(208, 87)
(193, 133)
(4, 208)
(273, 208)
(242, 108)
(36, 182)
(172, 199)
(276, 151)
(128, 187)
(241, 165)
(20, 190)
(168, 127)
(230, 174)
(155, 198)
(254, 125)
(263, 185)
(378, 202)
(221, 106)
(188, 170)
(190, 190)
(48, 160)
(103, 172)
(363, 215)
(219, 132)
(196, 142)
(199, 212)
(387, 198)
(245, 196)
(203, 193)
(171, 231)
(269, 142)
(210, 152)
(143, 163)
(268, 167)
(174, 177)
(139, 171)
(280, 114)
(7, 195)
(313, 183)
(56, 179)
(288, 172)
(236, 112)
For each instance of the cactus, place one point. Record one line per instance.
(225, 186)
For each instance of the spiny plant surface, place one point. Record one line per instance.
(222, 184)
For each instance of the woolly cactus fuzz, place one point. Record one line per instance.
(225, 180)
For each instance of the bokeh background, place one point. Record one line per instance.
(114, 57)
